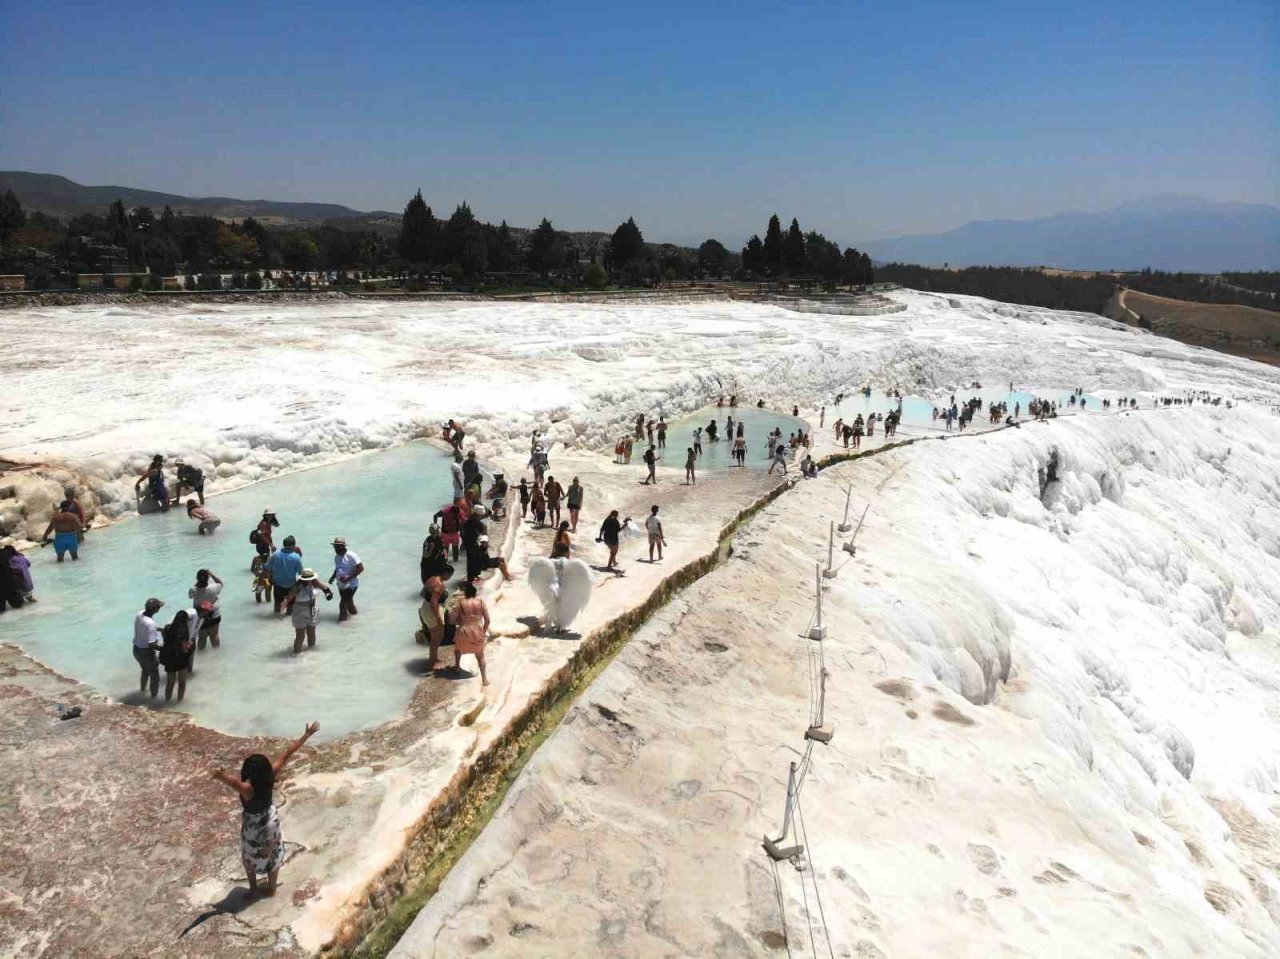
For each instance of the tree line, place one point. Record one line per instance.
(796, 254)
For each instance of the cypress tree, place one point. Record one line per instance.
(773, 258)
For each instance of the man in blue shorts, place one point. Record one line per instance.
(65, 528)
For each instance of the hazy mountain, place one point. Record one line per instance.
(49, 193)
(1166, 233)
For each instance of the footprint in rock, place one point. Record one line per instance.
(984, 858)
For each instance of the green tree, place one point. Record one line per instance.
(713, 258)
(464, 241)
(773, 255)
(118, 223)
(12, 216)
(793, 259)
(418, 232)
(625, 245)
(504, 251)
(753, 260)
(546, 248)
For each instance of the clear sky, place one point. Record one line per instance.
(862, 119)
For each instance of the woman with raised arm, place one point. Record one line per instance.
(261, 846)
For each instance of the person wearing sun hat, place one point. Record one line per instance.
(346, 570)
(301, 604)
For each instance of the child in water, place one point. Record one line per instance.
(261, 579)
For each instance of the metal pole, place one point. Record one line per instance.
(818, 630)
(771, 846)
(830, 572)
(844, 525)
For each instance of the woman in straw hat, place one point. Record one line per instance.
(301, 603)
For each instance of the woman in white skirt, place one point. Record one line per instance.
(302, 603)
(261, 845)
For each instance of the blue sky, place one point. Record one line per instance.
(863, 120)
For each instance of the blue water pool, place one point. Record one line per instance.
(914, 409)
(359, 674)
(757, 424)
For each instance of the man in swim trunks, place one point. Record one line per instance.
(65, 528)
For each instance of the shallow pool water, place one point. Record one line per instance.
(757, 424)
(914, 409)
(360, 673)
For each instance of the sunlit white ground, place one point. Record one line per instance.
(1132, 610)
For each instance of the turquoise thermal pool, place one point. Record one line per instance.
(361, 672)
(757, 424)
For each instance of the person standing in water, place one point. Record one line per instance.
(609, 533)
(451, 519)
(285, 565)
(71, 504)
(697, 440)
(263, 540)
(65, 528)
(261, 845)
(740, 448)
(178, 652)
(16, 585)
(189, 477)
(662, 433)
(656, 537)
(146, 646)
(208, 589)
(554, 492)
(206, 517)
(651, 463)
(346, 570)
(690, 461)
(473, 630)
(573, 500)
(779, 458)
(303, 608)
(435, 557)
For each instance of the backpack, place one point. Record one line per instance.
(255, 536)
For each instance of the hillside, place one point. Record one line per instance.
(58, 196)
(1242, 330)
(1176, 234)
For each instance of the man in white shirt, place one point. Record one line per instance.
(654, 526)
(346, 570)
(146, 645)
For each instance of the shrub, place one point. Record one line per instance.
(135, 283)
(254, 280)
(370, 288)
(597, 277)
(237, 281)
(190, 282)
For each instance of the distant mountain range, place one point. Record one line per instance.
(1166, 233)
(56, 195)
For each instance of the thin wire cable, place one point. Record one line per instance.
(782, 908)
(813, 943)
(813, 868)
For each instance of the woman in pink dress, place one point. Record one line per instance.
(473, 628)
